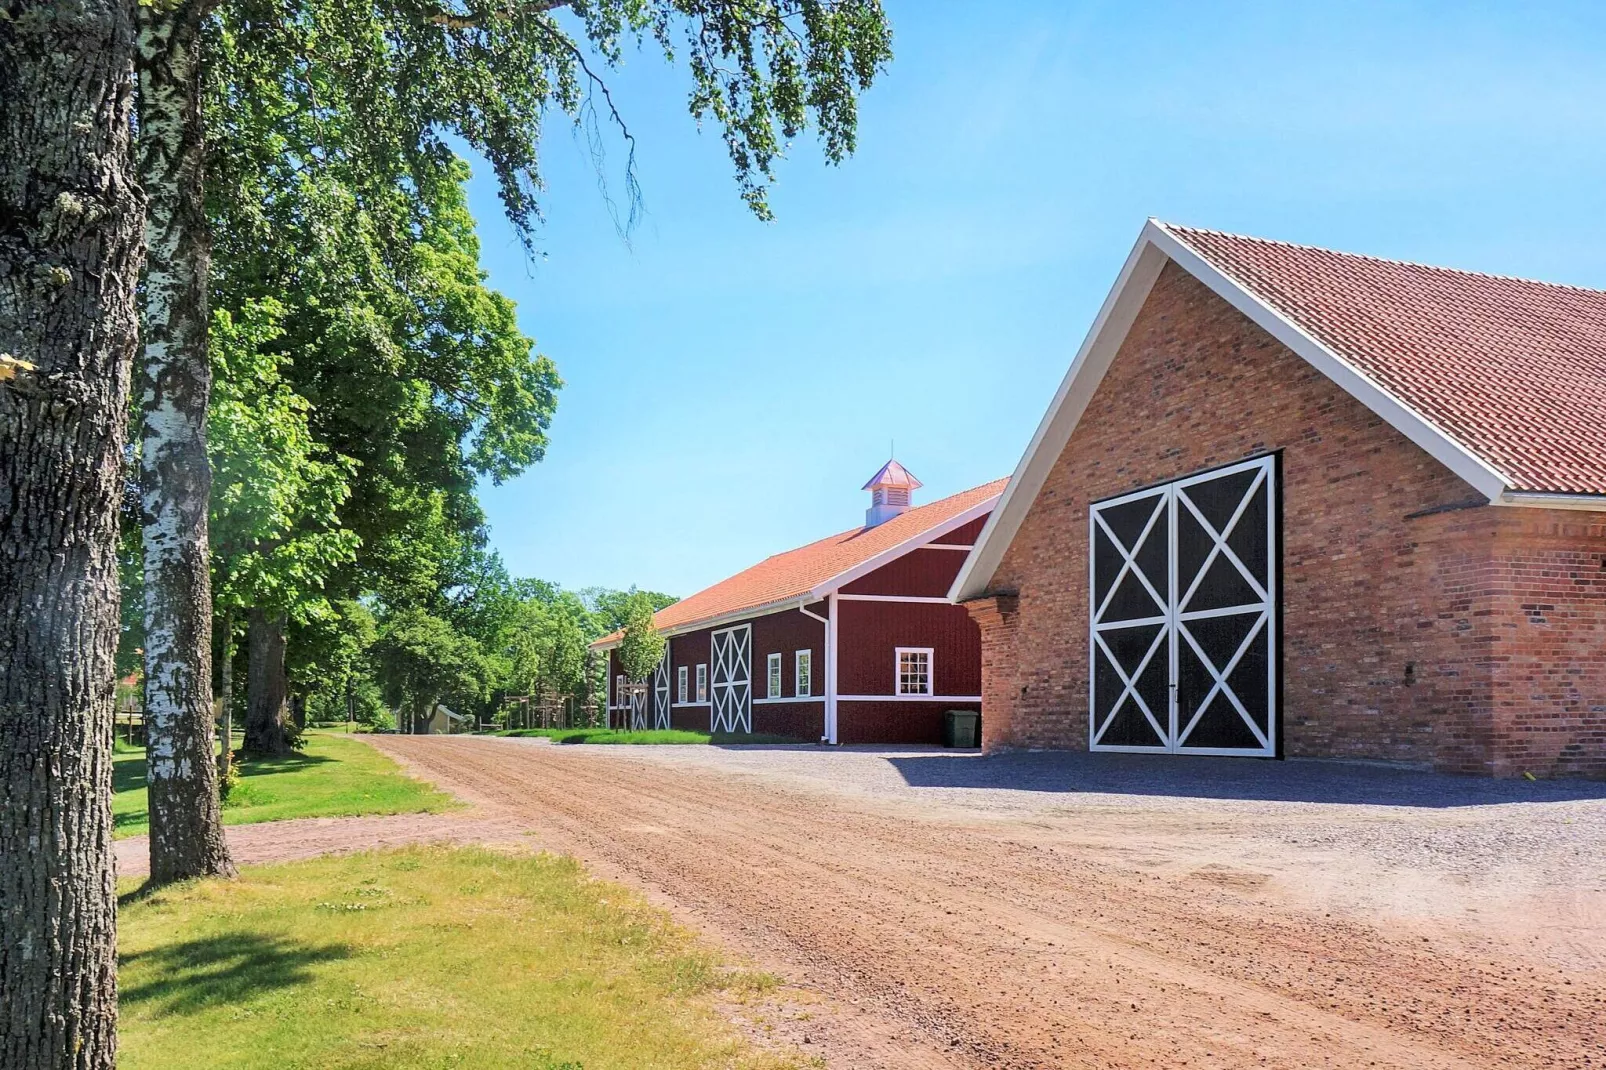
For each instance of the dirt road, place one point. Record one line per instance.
(1100, 934)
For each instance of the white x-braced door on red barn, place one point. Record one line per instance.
(1183, 612)
(660, 692)
(731, 689)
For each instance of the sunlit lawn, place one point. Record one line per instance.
(335, 776)
(422, 957)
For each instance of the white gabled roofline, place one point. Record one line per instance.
(1156, 245)
(913, 542)
(841, 579)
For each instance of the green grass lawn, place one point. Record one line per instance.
(620, 735)
(422, 957)
(335, 776)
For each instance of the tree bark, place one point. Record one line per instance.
(186, 837)
(265, 684)
(69, 260)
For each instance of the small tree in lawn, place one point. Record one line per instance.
(641, 648)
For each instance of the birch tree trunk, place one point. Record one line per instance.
(69, 260)
(186, 837)
(265, 685)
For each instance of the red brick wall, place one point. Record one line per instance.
(1549, 655)
(1406, 632)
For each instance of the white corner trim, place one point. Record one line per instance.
(914, 542)
(1155, 246)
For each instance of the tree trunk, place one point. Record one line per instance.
(175, 482)
(265, 685)
(69, 260)
(225, 756)
(298, 711)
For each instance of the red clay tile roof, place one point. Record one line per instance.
(795, 573)
(1513, 370)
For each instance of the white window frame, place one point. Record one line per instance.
(772, 676)
(931, 670)
(702, 682)
(803, 673)
(619, 698)
(680, 683)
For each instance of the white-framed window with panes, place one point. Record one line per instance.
(914, 670)
(702, 682)
(774, 665)
(619, 697)
(803, 672)
(680, 684)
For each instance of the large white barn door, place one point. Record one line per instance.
(732, 685)
(660, 692)
(1183, 615)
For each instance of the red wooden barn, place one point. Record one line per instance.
(851, 639)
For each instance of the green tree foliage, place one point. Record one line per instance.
(331, 662)
(612, 608)
(423, 660)
(641, 647)
(276, 490)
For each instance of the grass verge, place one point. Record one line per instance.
(334, 776)
(420, 957)
(659, 735)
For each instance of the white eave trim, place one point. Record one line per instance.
(1541, 500)
(735, 616)
(1155, 246)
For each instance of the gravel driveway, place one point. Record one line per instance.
(1041, 910)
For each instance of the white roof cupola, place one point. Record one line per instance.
(890, 490)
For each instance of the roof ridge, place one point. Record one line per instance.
(1181, 230)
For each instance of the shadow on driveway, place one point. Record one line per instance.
(1298, 780)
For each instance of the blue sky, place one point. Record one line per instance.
(731, 384)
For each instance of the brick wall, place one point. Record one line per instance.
(1418, 627)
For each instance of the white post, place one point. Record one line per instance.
(831, 608)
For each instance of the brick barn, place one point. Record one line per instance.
(1289, 501)
(851, 639)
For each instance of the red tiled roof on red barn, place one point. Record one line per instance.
(809, 571)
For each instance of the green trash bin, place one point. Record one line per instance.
(961, 728)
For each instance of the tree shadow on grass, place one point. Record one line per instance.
(194, 975)
(260, 765)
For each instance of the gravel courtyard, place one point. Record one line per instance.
(1040, 910)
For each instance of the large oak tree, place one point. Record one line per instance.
(70, 218)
